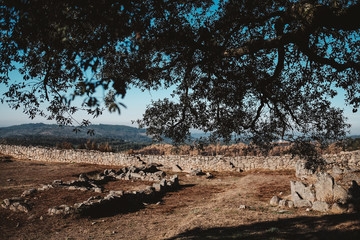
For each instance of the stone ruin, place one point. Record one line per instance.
(114, 200)
(319, 191)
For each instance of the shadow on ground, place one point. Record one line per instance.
(344, 226)
(128, 204)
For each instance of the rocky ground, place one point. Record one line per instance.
(228, 206)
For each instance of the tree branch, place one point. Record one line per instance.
(311, 18)
(326, 61)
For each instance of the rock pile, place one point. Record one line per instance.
(325, 195)
(114, 200)
(118, 200)
(16, 204)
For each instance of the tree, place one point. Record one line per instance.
(264, 69)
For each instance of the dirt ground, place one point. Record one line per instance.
(201, 209)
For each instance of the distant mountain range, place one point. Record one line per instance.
(102, 131)
(125, 133)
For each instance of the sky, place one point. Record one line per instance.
(136, 102)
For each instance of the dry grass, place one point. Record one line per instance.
(200, 209)
(239, 149)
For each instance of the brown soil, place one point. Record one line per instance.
(201, 209)
(125, 185)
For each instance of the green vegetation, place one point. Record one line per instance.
(118, 138)
(107, 137)
(352, 144)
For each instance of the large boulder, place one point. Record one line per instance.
(274, 201)
(340, 194)
(299, 191)
(324, 187)
(320, 206)
(302, 203)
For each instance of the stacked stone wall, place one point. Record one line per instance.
(344, 160)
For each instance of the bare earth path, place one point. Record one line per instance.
(200, 209)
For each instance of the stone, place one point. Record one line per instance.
(94, 198)
(300, 191)
(157, 187)
(320, 206)
(133, 169)
(117, 193)
(324, 187)
(302, 203)
(231, 165)
(337, 208)
(51, 211)
(83, 177)
(57, 182)
(29, 192)
(163, 183)
(339, 194)
(150, 189)
(83, 189)
(160, 174)
(120, 176)
(196, 172)
(336, 171)
(79, 205)
(283, 203)
(136, 175)
(97, 190)
(45, 187)
(175, 180)
(209, 175)
(140, 160)
(23, 207)
(127, 176)
(274, 201)
(73, 188)
(290, 204)
(6, 203)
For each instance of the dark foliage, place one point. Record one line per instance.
(265, 70)
(352, 144)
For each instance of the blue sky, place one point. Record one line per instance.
(136, 102)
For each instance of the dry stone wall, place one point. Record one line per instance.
(345, 160)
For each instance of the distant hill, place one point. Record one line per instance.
(126, 133)
(119, 137)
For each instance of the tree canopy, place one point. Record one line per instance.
(265, 69)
